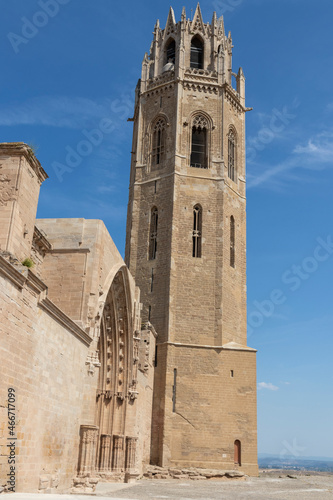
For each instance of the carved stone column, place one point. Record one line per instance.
(105, 449)
(131, 453)
(118, 454)
(87, 452)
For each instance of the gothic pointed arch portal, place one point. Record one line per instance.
(114, 450)
(117, 378)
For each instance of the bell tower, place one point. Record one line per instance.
(186, 245)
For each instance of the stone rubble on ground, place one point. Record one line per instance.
(155, 472)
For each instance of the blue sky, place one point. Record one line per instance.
(80, 67)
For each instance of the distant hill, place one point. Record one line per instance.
(297, 463)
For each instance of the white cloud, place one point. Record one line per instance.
(63, 111)
(313, 155)
(106, 189)
(318, 149)
(269, 386)
(310, 148)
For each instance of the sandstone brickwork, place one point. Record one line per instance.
(21, 176)
(205, 381)
(72, 347)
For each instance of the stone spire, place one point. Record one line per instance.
(197, 23)
(170, 24)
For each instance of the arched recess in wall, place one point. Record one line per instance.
(117, 375)
(220, 59)
(197, 52)
(158, 142)
(170, 52)
(199, 140)
(232, 241)
(197, 231)
(232, 153)
(237, 452)
(153, 228)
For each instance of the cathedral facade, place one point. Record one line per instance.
(113, 364)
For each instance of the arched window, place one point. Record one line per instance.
(171, 52)
(158, 142)
(199, 142)
(237, 452)
(197, 53)
(197, 231)
(232, 155)
(232, 241)
(153, 233)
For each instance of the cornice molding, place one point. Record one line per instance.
(65, 321)
(22, 149)
(16, 276)
(41, 241)
(227, 347)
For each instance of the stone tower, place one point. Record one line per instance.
(21, 176)
(186, 245)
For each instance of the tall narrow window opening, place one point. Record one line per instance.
(158, 142)
(197, 230)
(153, 234)
(237, 452)
(232, 241)
(174, 390)
(232, 155)
(171, 52)
(149, 313)
(199, 143)
(152, 280)
(197, 53)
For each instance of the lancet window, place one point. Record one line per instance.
(232, 241)
(197, 231)
(197, 53)
(153, 234)
(232, 155)
(171, 52)
(199, 142)
(158, 142)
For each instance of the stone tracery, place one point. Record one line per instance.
(105, 449)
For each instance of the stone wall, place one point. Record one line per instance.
(43, 358)
(215, 405)
(55, 319)
(21, 176)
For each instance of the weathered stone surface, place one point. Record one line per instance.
(205, 383)
(56, 349)
(153, 472)
(234, 474)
